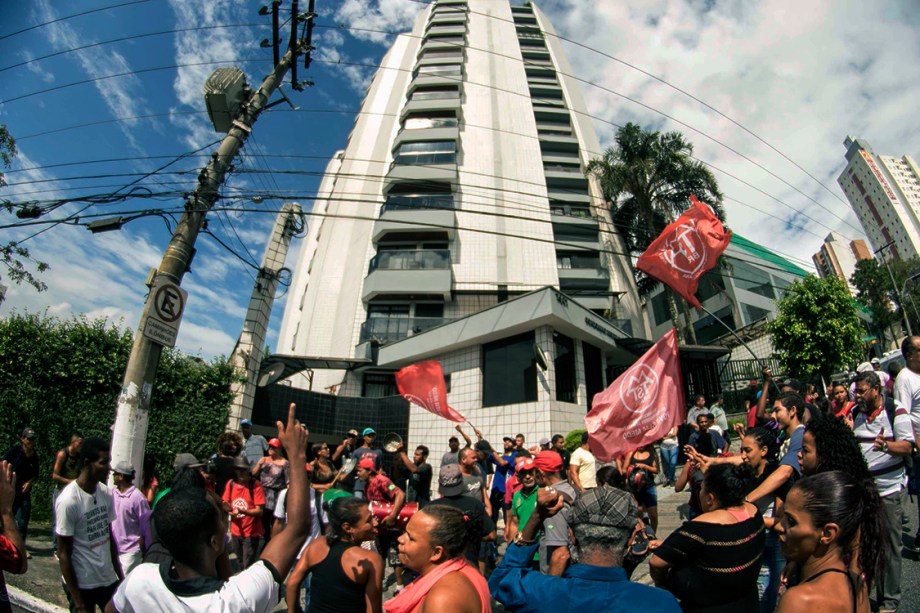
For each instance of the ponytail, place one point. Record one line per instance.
(872, 552)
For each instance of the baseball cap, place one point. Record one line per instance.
(508, 438)
(544, 441)
(186, 460)
(246, 422)
(352, 432)
(605, 506)
(875, 361)
(523, 464)
(27, 433)
(369, 432)
(240, 461)
(548, 461)
(123, 468)
(450, 480)
(367, 463)
(274, 442)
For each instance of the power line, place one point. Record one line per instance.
(39, 25)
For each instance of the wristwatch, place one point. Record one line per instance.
(884, 447)
(519, 540)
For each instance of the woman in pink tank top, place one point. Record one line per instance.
(433, 546)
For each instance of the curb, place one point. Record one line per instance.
(27, 601)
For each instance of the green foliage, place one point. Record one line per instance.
(816, 330)
(573, 439)
(873, 281)
(60, 377)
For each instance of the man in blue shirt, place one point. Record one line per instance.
(604, 523)
(504, 467)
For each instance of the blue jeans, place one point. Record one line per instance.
(669, 462)
(770, 569)
(22, 511)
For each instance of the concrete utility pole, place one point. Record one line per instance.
(247, 356)
(129, 434)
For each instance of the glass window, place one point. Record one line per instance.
(752, 279)
(379, 385)
(594, 371)
(446, 70)
(509, 372)
(435, 93)
(711, 283)
(660, 309)
(422, 123)
(753, 313)
(708, 329)
(578, 259)
(564, 365)
(428, 152)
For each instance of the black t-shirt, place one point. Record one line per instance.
(223, 472)
(566, 458)
(25, 467)
(476, 511)
(419, 484)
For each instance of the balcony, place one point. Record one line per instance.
(408, 272)
(581, 272)
(410, 213)
(391, 329)
(570, 220)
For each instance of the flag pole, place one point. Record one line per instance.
(740, 340)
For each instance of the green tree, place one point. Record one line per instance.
(889, 303)
(816, 331)
(12, 254)
(59, 377)
(647, 177)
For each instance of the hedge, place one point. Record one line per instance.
(63, 376)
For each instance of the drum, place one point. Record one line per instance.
(382, 509)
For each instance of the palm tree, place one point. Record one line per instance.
(647, 178)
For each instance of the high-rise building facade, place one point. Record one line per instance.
(838, 258)
(884, 192)
(458, 224)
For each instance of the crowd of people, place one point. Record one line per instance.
(806, 514)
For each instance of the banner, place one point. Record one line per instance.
(685, 250)
(641, 405)
(423, 384)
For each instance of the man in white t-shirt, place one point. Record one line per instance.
(193, 528)
(884, 445)
(84, 513)
(583, 466)
(907, 395)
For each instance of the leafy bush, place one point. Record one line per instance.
(63, 376)
(573, 439)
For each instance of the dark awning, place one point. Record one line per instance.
(706, 353)
(278, 366)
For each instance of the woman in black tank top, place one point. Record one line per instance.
(824, 518)
(346, 578)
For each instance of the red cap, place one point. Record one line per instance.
(523, 464)
(273, 442)
(367, 463)
(548, 461)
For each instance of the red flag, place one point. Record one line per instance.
(685, 250)
(423, 384)
(641, 405)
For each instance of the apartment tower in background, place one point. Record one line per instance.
(838, 258)
(458, 224)
(884, 192)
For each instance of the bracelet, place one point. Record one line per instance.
(520, 541)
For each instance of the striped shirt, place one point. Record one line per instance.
(887, 470)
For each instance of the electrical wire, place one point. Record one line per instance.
(46, 23)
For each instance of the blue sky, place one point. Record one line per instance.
(800, 80)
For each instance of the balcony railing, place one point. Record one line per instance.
(392, 329)
(414, 259)
(573, 211)
(443, 202)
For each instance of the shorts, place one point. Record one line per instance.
(647, 498)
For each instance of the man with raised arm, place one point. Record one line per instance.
(193, 527)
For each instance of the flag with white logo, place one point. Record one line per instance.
(685, 250)
(423, 384)
(641, 405)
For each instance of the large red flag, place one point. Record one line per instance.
(423, 384)
(685, 250)
(641, 405)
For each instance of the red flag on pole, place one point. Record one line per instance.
(685, 250)
(641, 405)
(423, 384)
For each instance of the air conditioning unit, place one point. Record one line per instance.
(223, 95)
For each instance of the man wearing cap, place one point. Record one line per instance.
(244, 500)
(883, 376)
(379, 488)
(450, 486)
(366, 450)
(348, 446)
(24, 460)
(131, 527)
(554, 544)
(524, 500)
(254, 445)
(604, 522)
(583, 466)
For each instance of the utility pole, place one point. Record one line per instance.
(894, 284)
(129, 433)
(247, 356)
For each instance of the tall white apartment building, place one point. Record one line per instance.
(458, 224)
(838, 258)
(885, 194)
